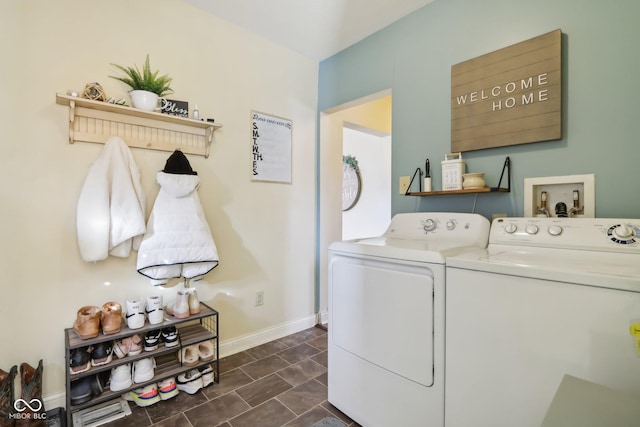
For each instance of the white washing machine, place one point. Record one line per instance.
(386, 318)
(547, 297)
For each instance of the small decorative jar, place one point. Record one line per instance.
(473, 180)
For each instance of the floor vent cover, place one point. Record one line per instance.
(101, 414)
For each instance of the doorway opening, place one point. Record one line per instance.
(373, 114)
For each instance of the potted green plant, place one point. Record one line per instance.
(146, 86)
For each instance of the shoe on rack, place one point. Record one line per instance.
(85, 389)
(194, 302)
(129, 346)
(205, 351)
(145, 396)
(181, 304)
(207, 375)
(155, 310)
(111, 318)
(190, 382)
(135, 313)
(143, 370)
(102, 353)
(152, 340)
(79, 360)
(120, 377)
(7, 395)
(170, 336)
(189, 356)
(168, 388)
(87, 323)
(81, 391)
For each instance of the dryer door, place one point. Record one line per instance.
(382, 312)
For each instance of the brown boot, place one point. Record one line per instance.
(87, 324)
(34, 414)
(7, 397)
(111, 318)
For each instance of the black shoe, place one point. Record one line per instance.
(170, 336)
(80, 360)
(85, 389)
(81, 391)
(102, 353)
(151, 340)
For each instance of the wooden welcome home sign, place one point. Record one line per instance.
(508, 97)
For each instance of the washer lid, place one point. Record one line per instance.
(434, 252)
(602, 269)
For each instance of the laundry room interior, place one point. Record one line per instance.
(306, 139)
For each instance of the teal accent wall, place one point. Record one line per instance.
(601, 96)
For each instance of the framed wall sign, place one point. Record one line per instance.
(174, 108)
(270, 148)
(351, 182)
(509, 96)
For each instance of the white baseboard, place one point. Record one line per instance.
(245, 342)
(54, 401)
(227, 348)
(323, 317)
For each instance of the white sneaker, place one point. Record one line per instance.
(143, 369)
(168, 388)
(190, 382)
(207, 375)
(120, 377)
(135, 313)
(155, 310)
(145, 396)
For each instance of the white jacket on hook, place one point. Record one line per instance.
(111, 208)
(178, 241)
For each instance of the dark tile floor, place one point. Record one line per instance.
(281, 383)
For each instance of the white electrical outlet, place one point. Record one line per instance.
(404, 184)
(259, 298)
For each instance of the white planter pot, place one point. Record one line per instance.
(144, 100)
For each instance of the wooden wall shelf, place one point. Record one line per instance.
(506, 168)
(96, 121)
(468, 191)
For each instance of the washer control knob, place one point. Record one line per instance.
(531, 229)
(429, 225)
(510, 228)
(623, 231)
(451, 225)
(555, 230)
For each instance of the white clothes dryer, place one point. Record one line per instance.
(386, 318)
(548, 297)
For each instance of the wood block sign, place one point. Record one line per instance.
(508, 97)
(174, 108)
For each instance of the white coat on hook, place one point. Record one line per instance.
(178, 241)
(111, 208)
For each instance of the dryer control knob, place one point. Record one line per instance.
(510, 228)
(451, 225)
(429, 225)
(623, 231)
(531, 229)
(555, 230)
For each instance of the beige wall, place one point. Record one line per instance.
(265, 232)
